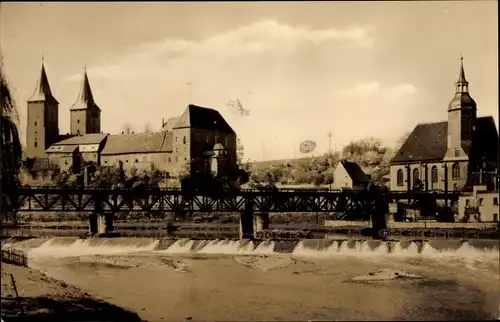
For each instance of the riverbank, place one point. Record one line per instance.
(247, 280)
(42, 298)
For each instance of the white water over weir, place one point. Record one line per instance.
(68, 247)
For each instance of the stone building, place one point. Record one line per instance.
(184, 144)
(452, 155)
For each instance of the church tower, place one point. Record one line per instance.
(85, 114)
(42, 129)
(461, 120)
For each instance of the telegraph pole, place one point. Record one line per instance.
(330, 141)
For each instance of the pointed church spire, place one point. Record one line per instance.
(42, 90)
(461, 76)
(85, 98)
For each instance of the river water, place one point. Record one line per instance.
(309, 280)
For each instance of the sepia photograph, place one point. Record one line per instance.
(249, 161)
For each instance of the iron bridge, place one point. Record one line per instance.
(31, 199)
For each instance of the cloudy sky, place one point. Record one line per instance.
(360, 69)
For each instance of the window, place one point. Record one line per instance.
(184, 140)
(457, 152)
(35, 144)
(495, 217)
(185, 159)
(77, 121)
(35, 123)
(480, 202)
(176, 149)
(455, 171)
(169, 160)
(167, 174)
(399, 177)
(495, 201)
(175, 139)
(106, 162)
(434, 175)
(77, 132)
(136, 161)
(126, 161)
(66, 162)
(416, 175)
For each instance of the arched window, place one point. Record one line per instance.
(184, 140)
(434, 174)
(399, 177)
(495, 201)
(455, 171)
(416, 175)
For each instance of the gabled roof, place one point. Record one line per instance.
(62, 149)
(85, 99)
(171, 122)
(428, 142)
(42, 90)
(354, 171)
(199, 117)
(138, 143)
(92, 138)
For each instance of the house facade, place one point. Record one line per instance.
(349, 175)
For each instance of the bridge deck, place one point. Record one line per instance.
(115, 200)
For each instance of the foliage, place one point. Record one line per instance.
(10, 145)
(372, 156)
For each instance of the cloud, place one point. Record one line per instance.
(261, 37)
(360, 90)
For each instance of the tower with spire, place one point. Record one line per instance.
(85, 114)
(462, 112)
(42, 129)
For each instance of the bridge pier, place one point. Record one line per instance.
(246, 224)
(100, 223)
(260, 222)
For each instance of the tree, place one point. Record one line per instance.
(127, 128)
(10, 144)
(240, 152)
(147, 128)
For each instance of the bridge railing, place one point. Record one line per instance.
(14, 256)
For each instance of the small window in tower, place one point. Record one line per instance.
(169, 160)
(185, 159)
(184, 140)
(77, 121)
(126, 161)
(136, 161)
(36, 144)
(495, 201)
(36, 123)
(66, 162)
